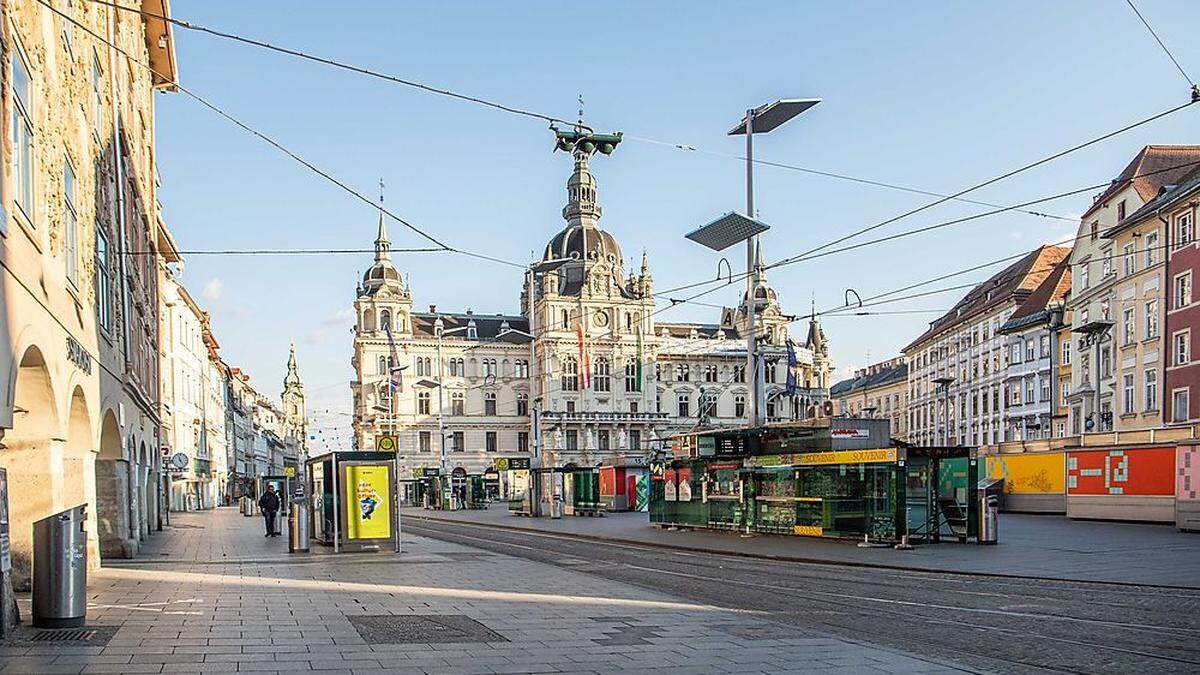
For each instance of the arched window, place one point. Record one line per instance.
(602, 377)
(368, 320)
(739, 405)
(522, 404)
(420, 366)
(570, 374)
(566, 319)
(383, 369)
(489, 403)
(385, 319)
(428, 366)
(628, 322)
(423, 403)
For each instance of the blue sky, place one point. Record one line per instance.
(933, 95)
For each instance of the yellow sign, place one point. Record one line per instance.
(847, 457)
(808, 530)
(385, 443)
(1042, 473)
(368, 494)
(289, 471)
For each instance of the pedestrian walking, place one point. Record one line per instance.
(269, 503)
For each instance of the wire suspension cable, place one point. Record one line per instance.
(1161, 44)
(342, 65)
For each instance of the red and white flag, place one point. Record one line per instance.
(585, 362)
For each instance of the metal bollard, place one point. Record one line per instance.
(989, 519)
(60, 569)
(298, 528)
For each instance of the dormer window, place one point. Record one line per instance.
(472, 331)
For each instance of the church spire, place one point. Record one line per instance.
(383, 247)
(293, 374)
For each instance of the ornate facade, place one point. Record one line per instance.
(600, 375)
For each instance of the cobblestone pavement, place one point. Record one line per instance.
(990, 623)
(213, 595)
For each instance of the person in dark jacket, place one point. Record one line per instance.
(269, 503)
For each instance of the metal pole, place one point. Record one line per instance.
(337, 535)
(751, 359)
(534, 420)
(396, 494)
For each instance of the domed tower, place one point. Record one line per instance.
(594, 329)
(772, 325)
(295, 422)
(384, 301)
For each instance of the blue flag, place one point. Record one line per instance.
(793, 366)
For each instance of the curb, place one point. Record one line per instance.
(789, 558)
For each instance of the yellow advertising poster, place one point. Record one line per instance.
(368, 501)
(1042, 473)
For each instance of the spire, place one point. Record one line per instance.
(293, 375)
(645, 264)
(383, 247)
(581, 208)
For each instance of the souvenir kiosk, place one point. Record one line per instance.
(353, 501)
(839, 477)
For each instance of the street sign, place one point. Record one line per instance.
(512, 463)
(386, 443)
(289, 471)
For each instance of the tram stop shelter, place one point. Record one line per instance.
(354, 501)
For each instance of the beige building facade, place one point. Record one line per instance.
(78, 230)
(593, 376)
(878, 391)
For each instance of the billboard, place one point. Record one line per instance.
(368, 493)
(1143, 471)
(1030, 474)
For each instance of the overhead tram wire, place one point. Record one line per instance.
(276, 144)
(732, 279)
(1195, 91)
(687, 147)
(519, 111)
(361, 70)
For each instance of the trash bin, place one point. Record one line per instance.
(60, 569)
(556, 507)
(247, 506)
(298, 527)
(989, 519)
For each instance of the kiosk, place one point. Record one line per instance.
(354, 501)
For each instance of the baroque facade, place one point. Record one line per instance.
(81, 236)
(584, 372)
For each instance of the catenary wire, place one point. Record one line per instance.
(440, 91)
(275, 144)
(1161, 43)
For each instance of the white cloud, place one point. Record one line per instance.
(212, 290)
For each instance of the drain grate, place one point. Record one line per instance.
(422, 629)
(88, 636)
(76, 635)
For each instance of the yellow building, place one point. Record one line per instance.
(79, 324)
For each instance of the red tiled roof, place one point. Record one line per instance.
(1052, 290)
(1017, 281)
(1152, 168)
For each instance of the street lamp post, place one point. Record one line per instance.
(440, 333)
(943, 383)
(731, 228)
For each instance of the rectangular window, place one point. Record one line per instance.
(22, 136)
(458, 441)
(1044, 347)
(522, 441)
(1151, 319)
(635, 439)
(1106, 268)
(489, 439)
(1083, 274)
(1129, 327)
(1029, 390)
(1127, 394)
(1179, 405)
(1105, 363)
(1064, 392)
(572, 439)
(1183, 230)
(1045, 389)
(1151, 248)
(683, 401)
(1151, 389)
(103, 281)
(1183, 290)
(1029, 354)
(602, 439)
(1016, 352)
(1181, 347)
(633, 407)
(739, 373)
(1120, 210)
(97, 96)
(522, 405)
(1128, 258)
(424, 441)
(1066, 352)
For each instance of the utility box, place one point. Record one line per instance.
(60, 569)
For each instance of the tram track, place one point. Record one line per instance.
(921, 609)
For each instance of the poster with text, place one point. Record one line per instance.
(368, 489)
